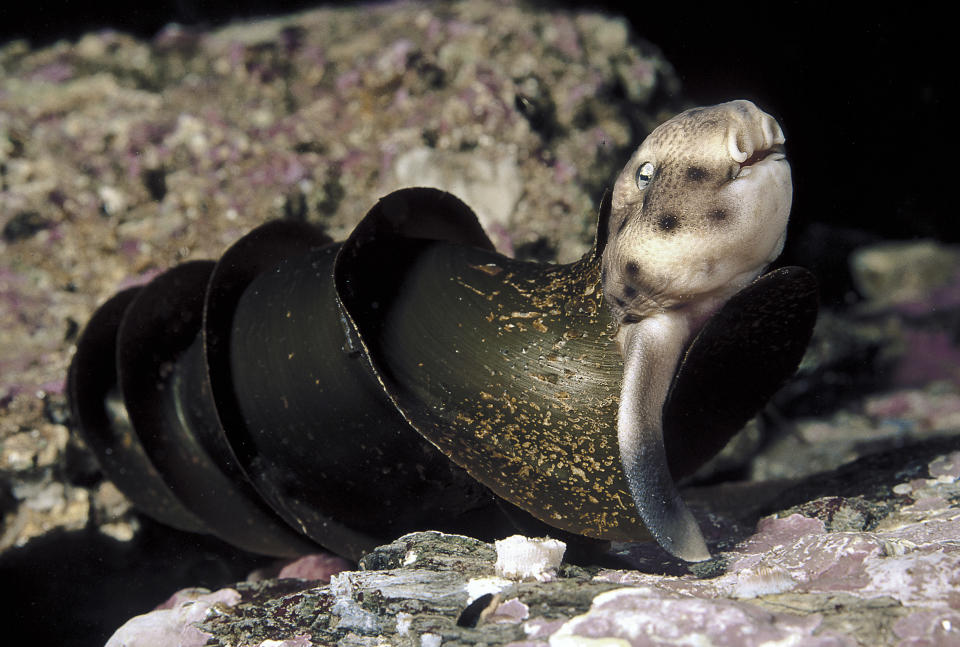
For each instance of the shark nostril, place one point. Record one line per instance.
(737, 146)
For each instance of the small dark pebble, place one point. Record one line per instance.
(432, 75)
(332, 195)
(430, 137)
(536, 250)
(24, 225)
(72, 329)
(295, 206)
(55, 409)
(537, 106)
(708, 569)
(57, 197)
(80, 466)
(8, 502)
(155, 181)
(310, 147)
(292, 38)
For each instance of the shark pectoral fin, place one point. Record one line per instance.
(651, 349)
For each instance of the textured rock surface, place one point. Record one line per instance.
(824, 575)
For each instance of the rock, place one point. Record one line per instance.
(901, 272)
(314, 567)
(173, 622)
(487, 181)
(902, 335)
(866, 562)
(914, 288)
(801, 577)
(419, 588)
(878, 422)
(641, 616)
(39, 501)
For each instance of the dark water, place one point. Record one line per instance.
(96, 584)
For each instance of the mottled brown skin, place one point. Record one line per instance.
(703, 226)
(697, 213)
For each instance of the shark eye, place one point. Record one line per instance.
(644, 175)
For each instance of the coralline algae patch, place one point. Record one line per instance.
(910, 562)
(642, 617)
(913, 564)
(918, 411)
(912, 555)
(172, 623)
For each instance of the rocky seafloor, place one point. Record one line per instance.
(833, 517)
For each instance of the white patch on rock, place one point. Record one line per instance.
(482, 585)
(903, 488)
(301, 641)
(404, 620)
(342, 585)
(120, 530)
(114, 201)
(430, 640)
(489, 182)
(353, 617)
(522, 558)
